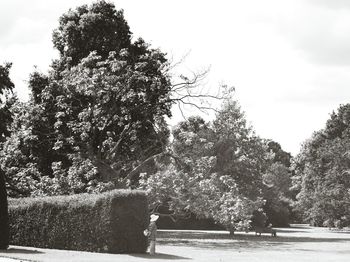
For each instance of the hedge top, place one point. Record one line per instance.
(75, 200)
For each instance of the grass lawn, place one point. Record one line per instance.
(298, 243)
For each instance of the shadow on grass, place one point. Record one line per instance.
(243, 237)
(159, 256)
(283, 230)
(20, 251)
(223, 240)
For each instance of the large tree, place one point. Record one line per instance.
(323, 173)
(6, 100)
(98, 27)
(277, 186)
(6, 87)
(216, 170)
(97, 119)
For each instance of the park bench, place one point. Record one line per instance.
(260, 230)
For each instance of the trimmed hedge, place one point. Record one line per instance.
(109, 222)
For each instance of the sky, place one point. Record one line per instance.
(288, 60)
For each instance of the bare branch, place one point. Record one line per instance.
(175, 64)
(188, 92)
(116, 147)
(190, 82)
(182, 113)
(199, 107)
(133, 172)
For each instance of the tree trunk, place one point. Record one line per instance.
(106, 172)
(232, 231)
(4, 218)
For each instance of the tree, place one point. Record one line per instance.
(117, 124)
(99, 27)
(97, 119)
(216, 170)
(277, 195)
(240, 153)
(322, 171)
(16, 158)
(279, 155)
(6, 100)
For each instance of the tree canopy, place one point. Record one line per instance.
(6, 88)
(216, 172)
(6, 100)
(98, 27)
(97, 115)
(323, 173)
(96, 122)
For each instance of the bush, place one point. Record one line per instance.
(278, 213)
(110, 222)
(191, 223)
(259, 219)
(4, 221)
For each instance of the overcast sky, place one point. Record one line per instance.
(289, 60)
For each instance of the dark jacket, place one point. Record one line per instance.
(152, 229)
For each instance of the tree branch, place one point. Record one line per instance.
(133, 172)
(116, 147)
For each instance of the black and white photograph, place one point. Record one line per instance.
(180, 130)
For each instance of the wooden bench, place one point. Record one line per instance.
(260, 230)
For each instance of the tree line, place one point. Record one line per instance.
(96, 122)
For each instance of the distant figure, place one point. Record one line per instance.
(151, 233)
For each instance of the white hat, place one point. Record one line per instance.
(154, 217)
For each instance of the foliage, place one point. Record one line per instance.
(99, 27)
(240, 153)
(21, 172)
(278, 195)
(217, 172)
(97, 121)
(96, 117)
(279, 155)
(6, 100)
(278, 177)
(323, 173)
(116, 222)
(191, 222)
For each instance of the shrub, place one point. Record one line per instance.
(4, 222)
(109, 222)
(278, 213)
(259, 219)
(191, 223)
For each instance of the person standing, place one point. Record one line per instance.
(152, 233)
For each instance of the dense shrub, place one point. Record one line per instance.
(110, 222)
(191, 223)
(4, 223)
(278, 213)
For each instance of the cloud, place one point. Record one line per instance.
(26, 22)
(337, 4)
(320, 30)
(25, 36)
